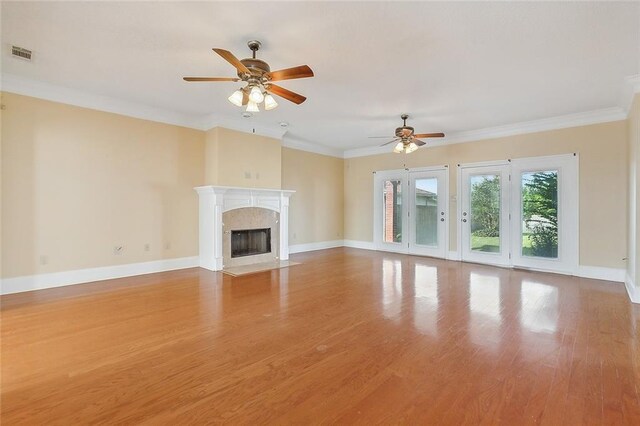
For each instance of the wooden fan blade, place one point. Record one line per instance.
(210, 79)
(429, 135)
(287, 94)
(228, 56)
(419, 142)
(303, 71)
(387, 143)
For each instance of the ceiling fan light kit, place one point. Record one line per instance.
(236, 98)
(269, 102)
(406, 140)
(255, 95)
(252, 107)
(259, 77)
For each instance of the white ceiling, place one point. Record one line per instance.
(454, 67)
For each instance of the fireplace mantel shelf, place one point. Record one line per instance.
(240, 190)
(215, 200)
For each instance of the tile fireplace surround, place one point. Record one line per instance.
(216, 200)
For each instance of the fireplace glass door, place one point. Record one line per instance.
(250, 242)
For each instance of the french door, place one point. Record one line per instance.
(521, 213)
(390, 212)
(410, 214)
(428, 212)
(484, 216)
(544, 228)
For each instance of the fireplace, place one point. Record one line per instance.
(250, 242)
(259, 216)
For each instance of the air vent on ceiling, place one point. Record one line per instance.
(21, 53)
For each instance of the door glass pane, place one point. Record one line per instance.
(392, 211)
(427, 211)
(485, 213)
(540, 214)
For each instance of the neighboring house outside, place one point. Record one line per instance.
(426, 211)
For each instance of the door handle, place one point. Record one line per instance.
(464, 220)
(442, 219)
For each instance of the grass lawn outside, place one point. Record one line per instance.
(492, 244)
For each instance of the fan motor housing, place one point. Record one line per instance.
(404, 131)
(255, 65)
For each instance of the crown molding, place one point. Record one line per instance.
(561, 122)
(292, 142)
(631, 87)
(65, 95)
(365, 152)
(245, 125)
(50, 92)
(38, 89)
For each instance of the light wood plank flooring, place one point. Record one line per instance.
(349, 337)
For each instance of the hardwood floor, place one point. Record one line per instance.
(350, 336)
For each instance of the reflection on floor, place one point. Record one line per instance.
(349, 336)
(237, 271)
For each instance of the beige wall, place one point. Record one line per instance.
(603, 182)
(634, 189)
(1, 198)
(316, 210)
(235, 158)
(77, 182)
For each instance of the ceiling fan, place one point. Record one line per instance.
(259, 77)
(407, 140)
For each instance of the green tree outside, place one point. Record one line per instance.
(485, 206)
(540, 212)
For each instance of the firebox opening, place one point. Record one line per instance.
(249, 242)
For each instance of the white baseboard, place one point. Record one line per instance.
(601, 273)
(365, 245)
(59, 279)
(301, 248)
(79, 276)
(632, 289)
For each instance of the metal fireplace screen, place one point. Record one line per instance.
(249, 242)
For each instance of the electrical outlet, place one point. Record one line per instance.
(147, 247)
(44, 259)
(117, 250)
(247, 175)
(257, 175)
(167, 245)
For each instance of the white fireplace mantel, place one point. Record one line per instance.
(215, 200)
